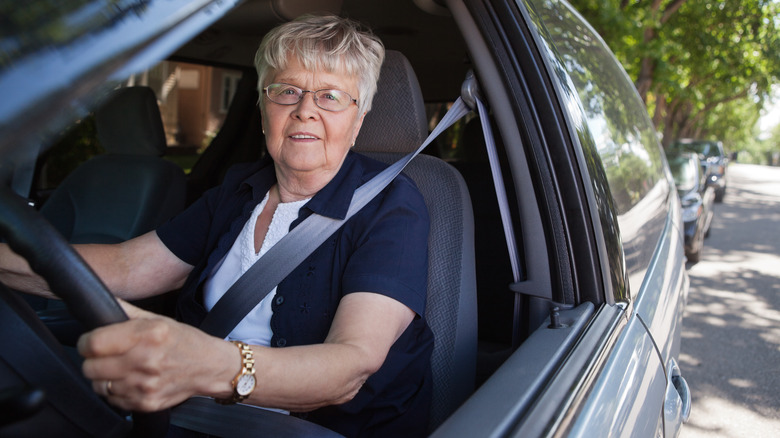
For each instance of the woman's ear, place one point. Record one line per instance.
(358, 125)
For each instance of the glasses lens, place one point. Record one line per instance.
(330, 100)
(333, 100)
(284, 94)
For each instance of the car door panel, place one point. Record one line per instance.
(512, 390)
(661, 300)
(611, 379)
(627, 398)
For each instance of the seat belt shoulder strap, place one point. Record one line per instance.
(281, 259)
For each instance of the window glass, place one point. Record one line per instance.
(702, 147)
(610, 117)
(684, 172)
(193, 101)
(229, 86)
(613, 111)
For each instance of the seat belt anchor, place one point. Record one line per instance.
(469, 91)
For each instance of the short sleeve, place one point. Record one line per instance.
(186, 234)
(391, 247)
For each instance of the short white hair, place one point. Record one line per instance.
(324, 42)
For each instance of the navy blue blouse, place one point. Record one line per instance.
(382, 249)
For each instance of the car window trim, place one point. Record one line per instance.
(545, 379)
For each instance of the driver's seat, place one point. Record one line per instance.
(395, 126)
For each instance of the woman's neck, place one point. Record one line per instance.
(301, 186)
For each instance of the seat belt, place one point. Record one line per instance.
(498, 180)
(301, 241)
(506, 219)
(470, 92)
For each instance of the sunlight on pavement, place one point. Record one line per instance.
(730, 420)
(731, 330)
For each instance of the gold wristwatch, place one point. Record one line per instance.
(244, 382)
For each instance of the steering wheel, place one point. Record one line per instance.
(51, 257)
(91, 303)
(69, 277)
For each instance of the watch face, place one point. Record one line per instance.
(245, 384)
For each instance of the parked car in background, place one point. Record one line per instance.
(558, 287)
(697, 199)
(713, 158)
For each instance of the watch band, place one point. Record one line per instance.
(244, 382)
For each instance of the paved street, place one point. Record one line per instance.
(731, 337)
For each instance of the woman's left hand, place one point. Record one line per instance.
(152, 362)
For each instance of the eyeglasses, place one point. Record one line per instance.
(329, 100)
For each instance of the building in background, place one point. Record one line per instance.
(193, 99)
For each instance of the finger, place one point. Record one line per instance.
(113, 339)
(106, 368)
(108, 389)
(104, 388)
(102, 342)
(136, 396)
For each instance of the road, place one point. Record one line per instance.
(731, 336)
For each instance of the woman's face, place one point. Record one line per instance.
(304, 139)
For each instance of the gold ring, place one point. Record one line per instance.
(108, 388)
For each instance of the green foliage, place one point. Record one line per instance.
(761, 151)
(755, 151)
(704, 68)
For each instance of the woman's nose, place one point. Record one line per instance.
(307, 106)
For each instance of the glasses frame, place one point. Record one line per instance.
(313, 95)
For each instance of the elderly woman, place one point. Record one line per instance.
(356, 346)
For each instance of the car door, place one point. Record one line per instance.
(601, 237)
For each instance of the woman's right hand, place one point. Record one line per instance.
(154, 362)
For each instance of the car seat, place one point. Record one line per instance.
(130, 189)
(394, 127)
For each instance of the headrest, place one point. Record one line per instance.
(397, 122)
(129, 122)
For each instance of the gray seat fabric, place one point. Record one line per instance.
(130, 189)
(394, 127)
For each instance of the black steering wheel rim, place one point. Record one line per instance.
(69, 277)
(51, 257)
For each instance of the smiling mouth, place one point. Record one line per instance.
(303, 137)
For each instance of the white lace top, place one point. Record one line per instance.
(255, 328)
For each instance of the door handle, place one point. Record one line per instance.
(681, 385)
(677, 406)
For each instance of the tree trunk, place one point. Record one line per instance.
(644, 82)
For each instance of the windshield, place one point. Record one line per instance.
(58, 60)
(706, 148)
(684, 172)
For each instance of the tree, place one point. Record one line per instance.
(704, 68)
